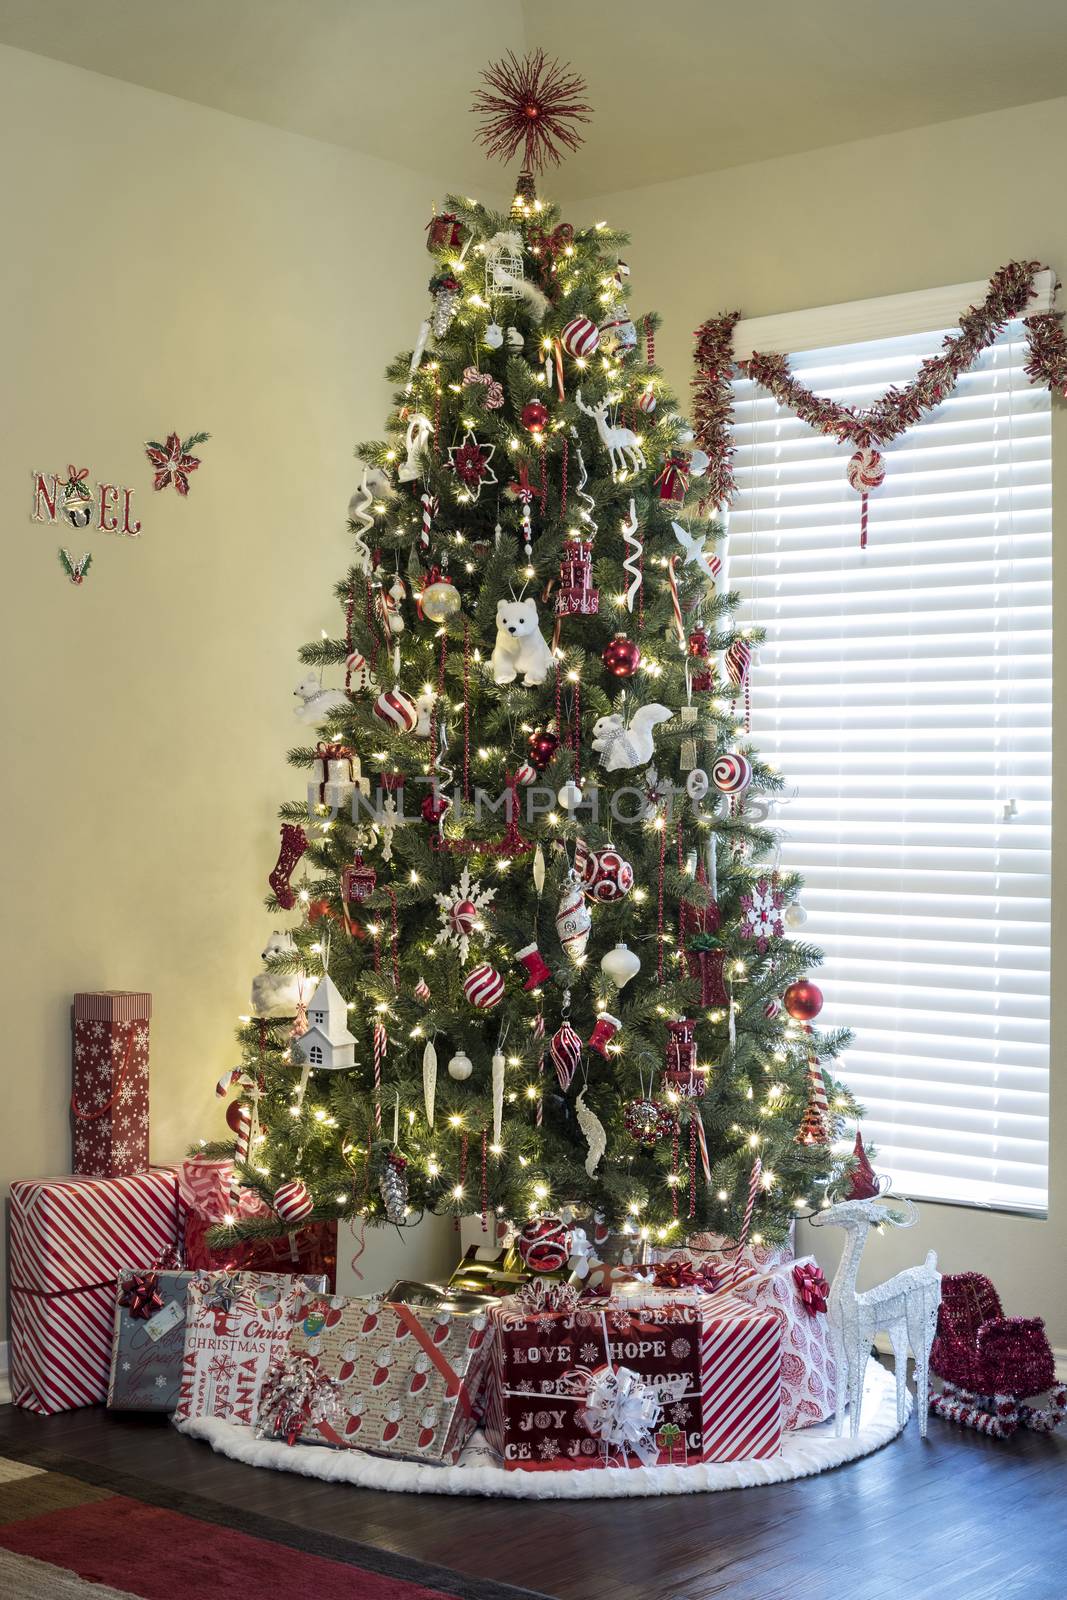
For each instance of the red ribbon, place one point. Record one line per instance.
(813, 1287)
(679, 1273)
(74, 476)
(455, 1388)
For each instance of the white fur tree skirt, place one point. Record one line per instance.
(812, 1450)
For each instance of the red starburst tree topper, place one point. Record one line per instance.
(530, 104)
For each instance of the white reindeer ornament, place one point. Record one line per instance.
(905, 1307)
(622, 444)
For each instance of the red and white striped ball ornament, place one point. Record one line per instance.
(397, 710)
(646, 401)
(866, 470)
(544, 1244)
(484, 987)
(580, 337)
(526, 773)
(732, 773)
(565, 1049)
(771, 1007)
(461, 916)
(422, 989)
(292, 1201)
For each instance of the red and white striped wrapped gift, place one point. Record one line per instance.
(70, 1237)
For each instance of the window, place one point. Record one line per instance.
(315, 1055)
(905, 691)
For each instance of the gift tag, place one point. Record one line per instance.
(165, 1320)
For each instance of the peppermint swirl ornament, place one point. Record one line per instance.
(732, 773)
(580, 337)
(866, 470)
(484, 987)
(292, 1201)
(396, 710)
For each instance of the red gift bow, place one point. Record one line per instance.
(679, 1273)
(74, 475)
(813, 1287)
(296, 1394)
(554, 243)
(142, 1297)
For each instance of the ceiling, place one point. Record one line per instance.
(701, 85)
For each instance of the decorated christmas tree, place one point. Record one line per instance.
(544, 956)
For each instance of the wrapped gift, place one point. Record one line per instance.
(719, 1254)
(409, 1376)
(205, 1190)
(148, 1341)
(487, 1270)
(109, 1098)
(712, 1362)
(336, 773)
(406, 1291)
(70, 1239)
(796, 1292)
(236, 1325)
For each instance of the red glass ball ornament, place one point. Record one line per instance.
(544, 1244)
(699, 644)
(535, 416)
(434, 806)
(646, 1121)
(542, 746)
(803, 1000)
(621, 656)
(236, 1112)
(317, 909)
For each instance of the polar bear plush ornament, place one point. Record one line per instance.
(274, 993)
(520, 646)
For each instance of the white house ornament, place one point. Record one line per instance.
(573, 920)
(327, 1042)
(461, 910)
(470, 462)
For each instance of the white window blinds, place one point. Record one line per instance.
(905, 692)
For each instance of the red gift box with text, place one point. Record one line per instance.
(70, 1238)
(724, 1357)
(109, 1098)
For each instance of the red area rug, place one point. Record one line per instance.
(62, 1532)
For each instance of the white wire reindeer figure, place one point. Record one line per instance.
(905, 1307)
(622, 444)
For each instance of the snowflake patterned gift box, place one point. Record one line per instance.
(70, 1239)
(409, 1375)
(109, 1100)
(714, 1361)
(236, 1325)
(809, 1370)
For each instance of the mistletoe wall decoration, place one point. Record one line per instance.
(871, 428)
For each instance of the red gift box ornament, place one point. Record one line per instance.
(672, 480)
(680, 1061)
(444, 232)
(813, 1287)
(576, 596)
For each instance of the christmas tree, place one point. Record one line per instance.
(536, 856)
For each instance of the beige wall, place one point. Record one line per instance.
(939, 205)
(166, 266)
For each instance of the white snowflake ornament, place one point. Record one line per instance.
(461, 911)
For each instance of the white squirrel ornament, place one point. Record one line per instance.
(620, 744)
(520, 648)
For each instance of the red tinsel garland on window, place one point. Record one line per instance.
(1010, 291)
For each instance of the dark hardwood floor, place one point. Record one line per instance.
(958, 1518)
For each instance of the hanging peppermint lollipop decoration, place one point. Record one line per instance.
(530, 105)
(866, 472)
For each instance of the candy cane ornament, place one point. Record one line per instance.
(750, 1206)
(866, 472)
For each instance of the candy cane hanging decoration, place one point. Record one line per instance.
(380, 1043)
(676, 604)
(430, 504)
(632, 562)
(750, 1206)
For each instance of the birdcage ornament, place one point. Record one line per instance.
(504, 269)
